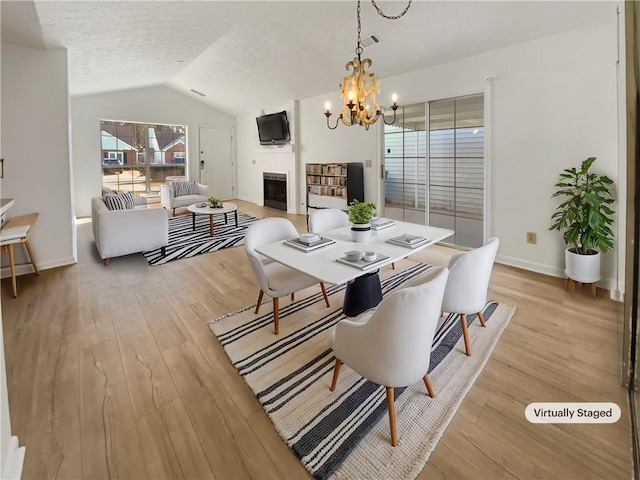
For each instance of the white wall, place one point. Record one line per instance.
(254, 159)
(551, 104)
(35, 148)
(154, 105)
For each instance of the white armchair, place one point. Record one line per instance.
(327, 219)
(121, 232)
(392, 345)
(466, 292)
(170, 201)
(273, 278)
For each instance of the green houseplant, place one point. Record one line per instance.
(214, 202)
(585, 219)
(360, 214)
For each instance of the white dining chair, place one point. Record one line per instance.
(274, 279)
(327, 219)
(466, 292)
(392, 345)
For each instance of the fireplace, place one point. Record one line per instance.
(275, 190)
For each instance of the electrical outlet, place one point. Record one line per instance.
(532, 237)
(367, 163)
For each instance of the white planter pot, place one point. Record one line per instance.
(360, 232)
(582, 268)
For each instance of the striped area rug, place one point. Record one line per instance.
(345, 434)
(184, 242)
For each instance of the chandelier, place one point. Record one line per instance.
(359, 89)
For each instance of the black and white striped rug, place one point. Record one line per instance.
(345, 434)
(185, 242)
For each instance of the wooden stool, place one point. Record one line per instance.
(571, 284)
(21, 221)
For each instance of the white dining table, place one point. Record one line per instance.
(323, 265)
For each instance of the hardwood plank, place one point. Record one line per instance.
(148, 381)
(232, 449)
(110, 444)
(170, 445)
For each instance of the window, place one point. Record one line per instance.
(139, 156)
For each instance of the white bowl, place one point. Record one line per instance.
(309, 237)
(353, 255)
(370, 256)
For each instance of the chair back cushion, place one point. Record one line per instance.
(182, 188)
(394, 347)
(262, 232)
(469, 275)
(327, 219)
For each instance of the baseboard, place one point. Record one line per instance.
(606, 283)
(12, 468)
(26, 268)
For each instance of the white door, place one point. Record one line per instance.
(216, 161)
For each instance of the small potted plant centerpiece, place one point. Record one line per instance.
(585, 219)
(360, 214)
(214, 202)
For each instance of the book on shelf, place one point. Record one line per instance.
(363, 264)
(308, 247)
(381, 223)
(408, 241)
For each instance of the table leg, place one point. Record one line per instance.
(235, 212)
(193, 221)
(31, 257)
(225, 218)
(12, 266)
(211, 225)
(362, 294)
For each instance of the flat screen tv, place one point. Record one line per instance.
(273, 129)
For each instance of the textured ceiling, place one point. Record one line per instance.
(248, 55)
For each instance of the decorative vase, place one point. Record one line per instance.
(360, 232)
(582, 268)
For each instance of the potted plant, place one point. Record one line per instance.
(360, 214)
(584, 218)
(214, 202)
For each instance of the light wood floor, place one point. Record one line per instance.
(113, 373)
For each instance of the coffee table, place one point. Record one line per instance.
(227, 207)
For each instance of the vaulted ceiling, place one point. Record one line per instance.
(248, 55)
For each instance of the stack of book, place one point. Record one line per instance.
(381, 223)
(408, 241)
(309, 246)
(13, 233)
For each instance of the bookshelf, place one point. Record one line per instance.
(334, 185)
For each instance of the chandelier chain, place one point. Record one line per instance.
(382, 14)
(359, 47)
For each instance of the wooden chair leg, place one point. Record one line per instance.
(427, 383)
(481, 318)
(276, 307)
(392, 416)
(336, 372)
(259, 302)
(465, 334)
(324, 294)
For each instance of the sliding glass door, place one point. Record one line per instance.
(438, 180)
(456, 168)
